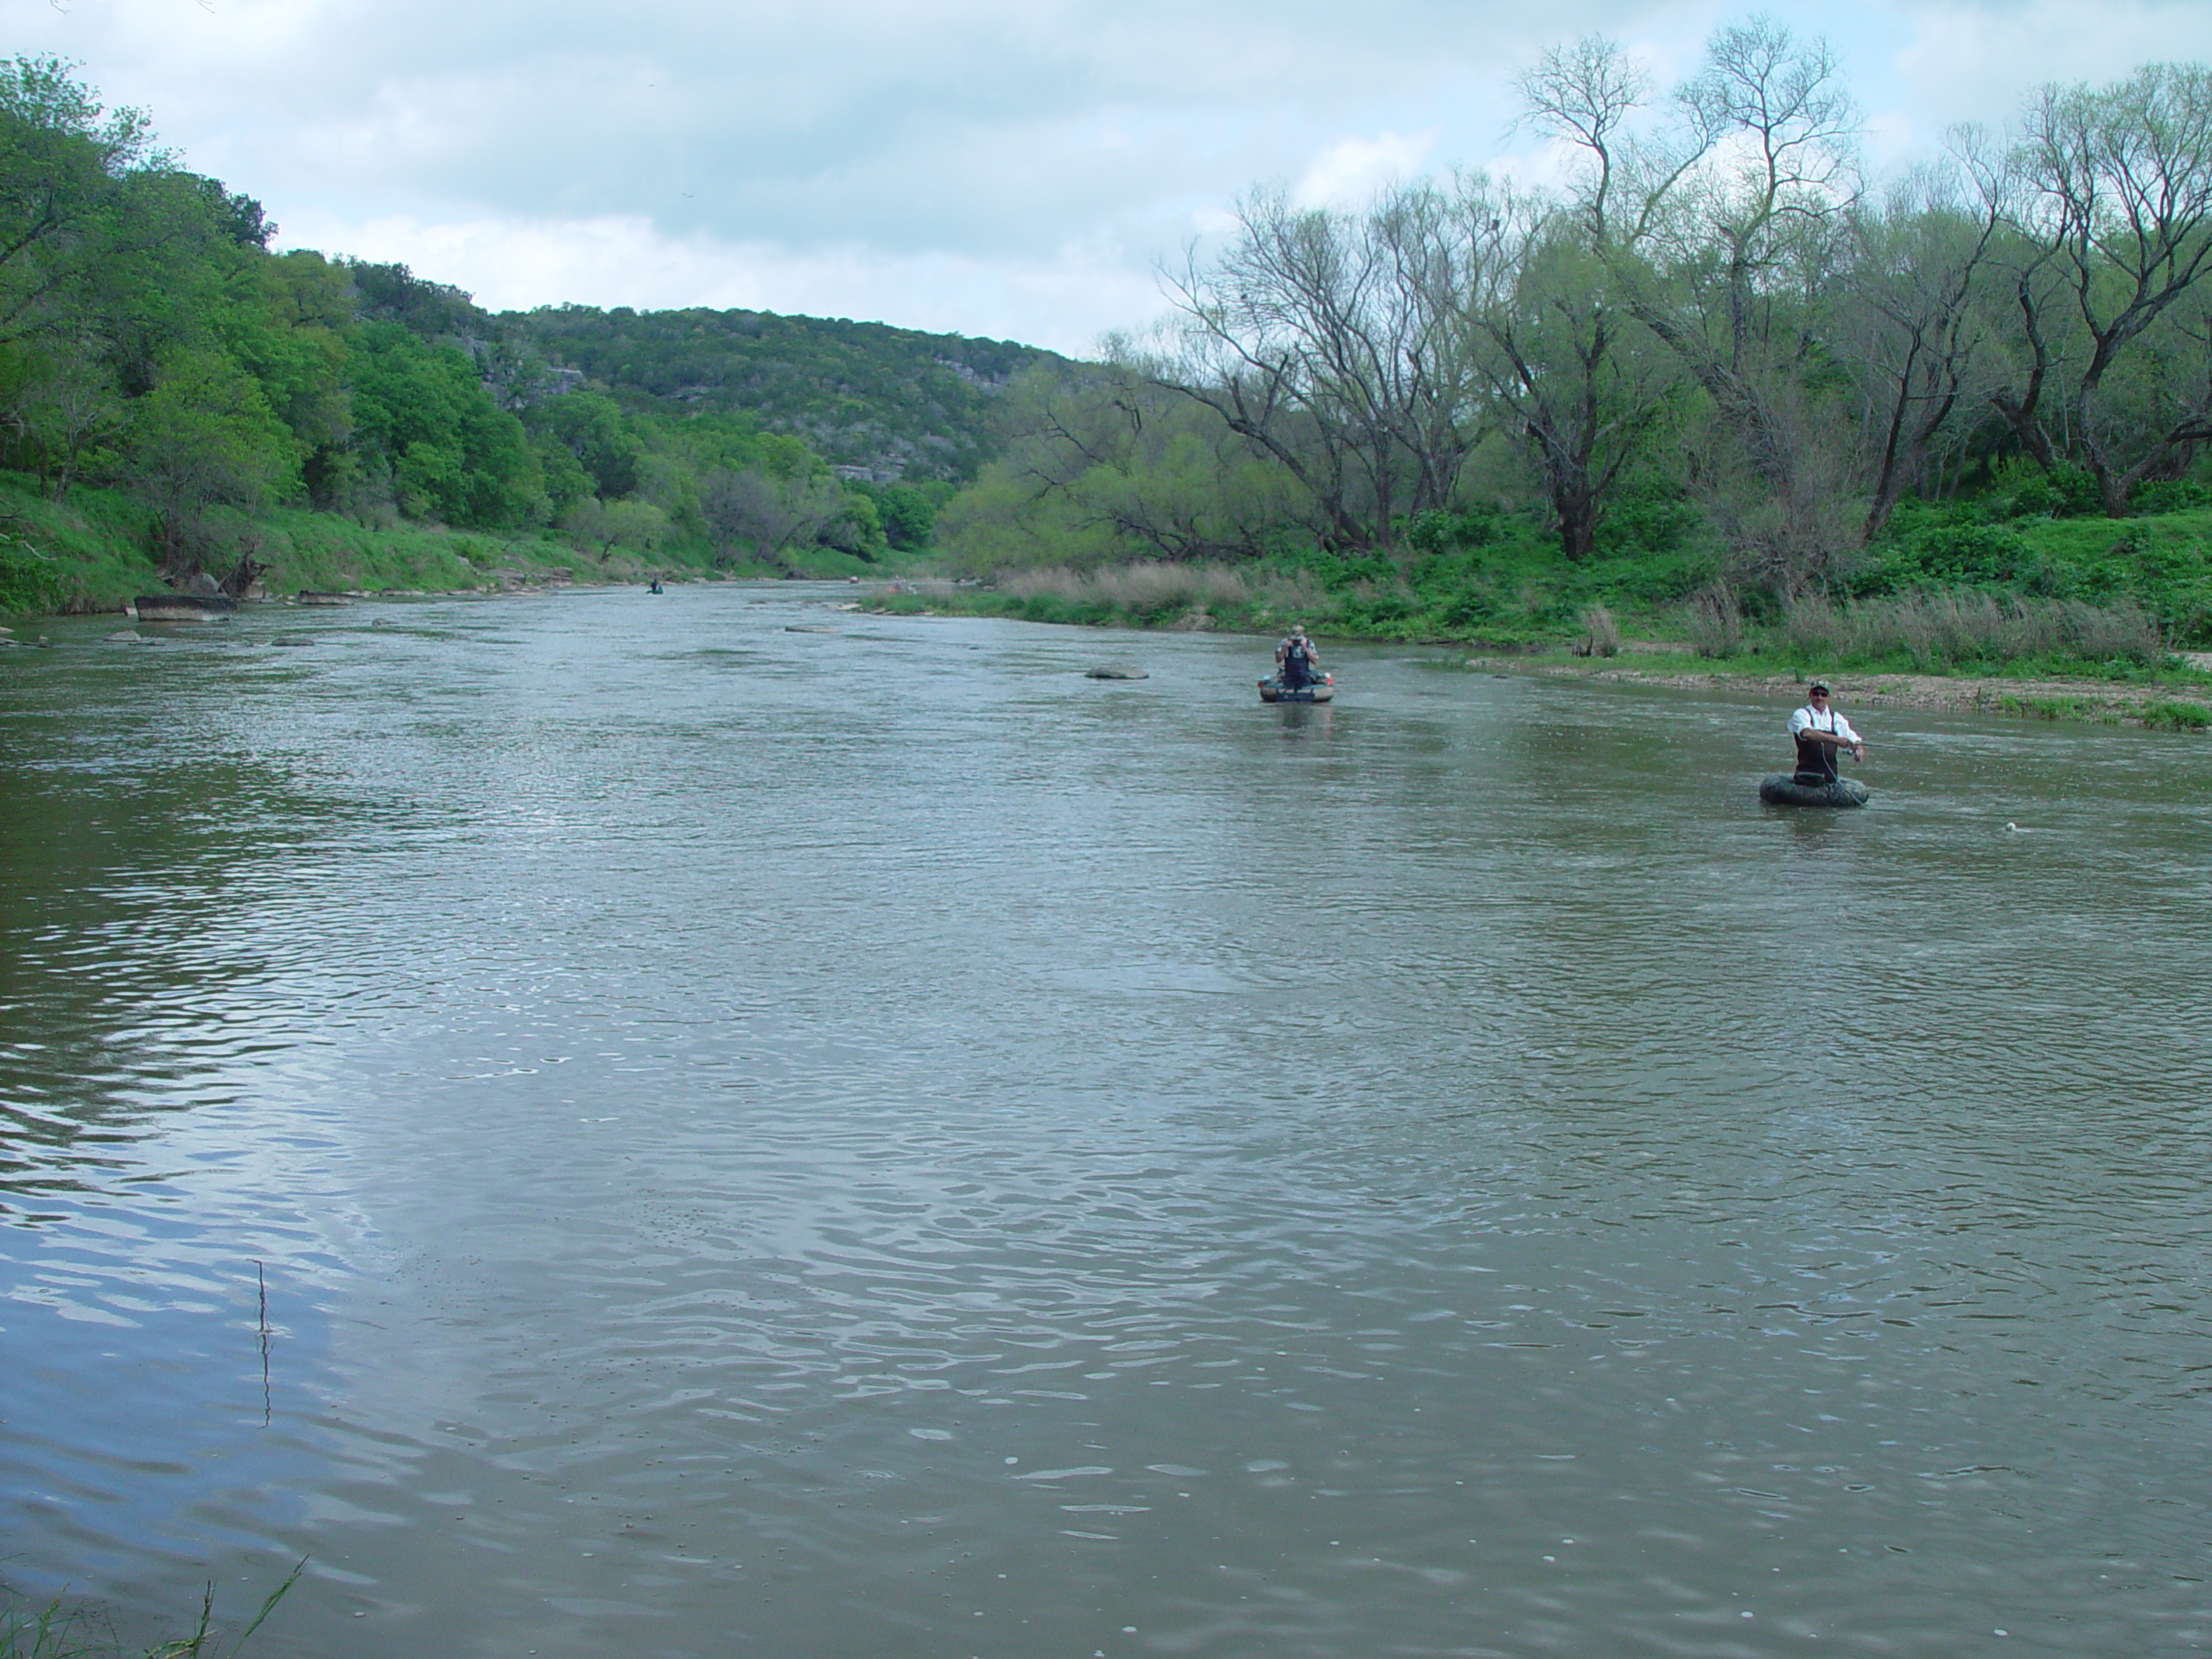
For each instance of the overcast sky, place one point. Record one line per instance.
(1005, 167)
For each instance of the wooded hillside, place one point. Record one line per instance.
(167, 383)
(899, 403)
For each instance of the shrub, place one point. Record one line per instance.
(1433, 531)
(1601, 634)
(1970, 553)
(2024, 490)
(2175, 716)
(1716, 621)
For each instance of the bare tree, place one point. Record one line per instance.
(1585, 93)
(1914, 328)
(1332, 343)
(1575, 379)
(2116, 195)
(1572, 369)
(1735, 249)
(767, 513)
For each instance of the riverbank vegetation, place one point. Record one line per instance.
(180, 404)
(1720, 386)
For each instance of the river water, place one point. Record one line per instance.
(709, 1125)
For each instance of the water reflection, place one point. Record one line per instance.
(114, 969)
(868, 1140)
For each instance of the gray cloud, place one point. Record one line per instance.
(1063, 142)
(1004, 120)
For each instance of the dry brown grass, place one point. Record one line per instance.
(1601, 635)
(1931, 630)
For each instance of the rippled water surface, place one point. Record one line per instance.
(865, 1142)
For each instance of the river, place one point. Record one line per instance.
(709, 1125)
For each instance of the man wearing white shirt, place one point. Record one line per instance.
(1819, 731)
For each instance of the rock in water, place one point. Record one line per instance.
(1107, 672)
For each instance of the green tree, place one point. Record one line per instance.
(908, 513)
(283, 319)
(425, 425)
(61, 157)
(59, 407)
(590, 425)
(204, 435)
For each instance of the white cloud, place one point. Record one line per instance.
(1976, 62)
(1352, 171)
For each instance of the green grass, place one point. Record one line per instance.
(1506, 600)
(1955, 587)
(92, 552)
(57, 1629)
(2160, 563)
(2175, 715)
(71, 557)
(1513, 589)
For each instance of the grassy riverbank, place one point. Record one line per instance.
(2068, 616)
(95, 551)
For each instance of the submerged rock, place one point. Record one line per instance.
(1108, 672)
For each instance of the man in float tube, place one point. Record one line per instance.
(1819, 731)
(1295, 661)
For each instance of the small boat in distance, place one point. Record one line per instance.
(1321, 691)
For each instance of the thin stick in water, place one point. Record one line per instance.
(261, 1279)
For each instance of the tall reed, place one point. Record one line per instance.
(1716, 621)
(1144, 587)
(1601, 635)
(1938, 630)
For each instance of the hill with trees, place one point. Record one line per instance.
(888, 403)
(179, 403)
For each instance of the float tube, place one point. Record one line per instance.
(1792, 789)
(1321, 691)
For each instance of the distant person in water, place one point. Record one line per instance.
(1296, 661)
(1819, 731)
